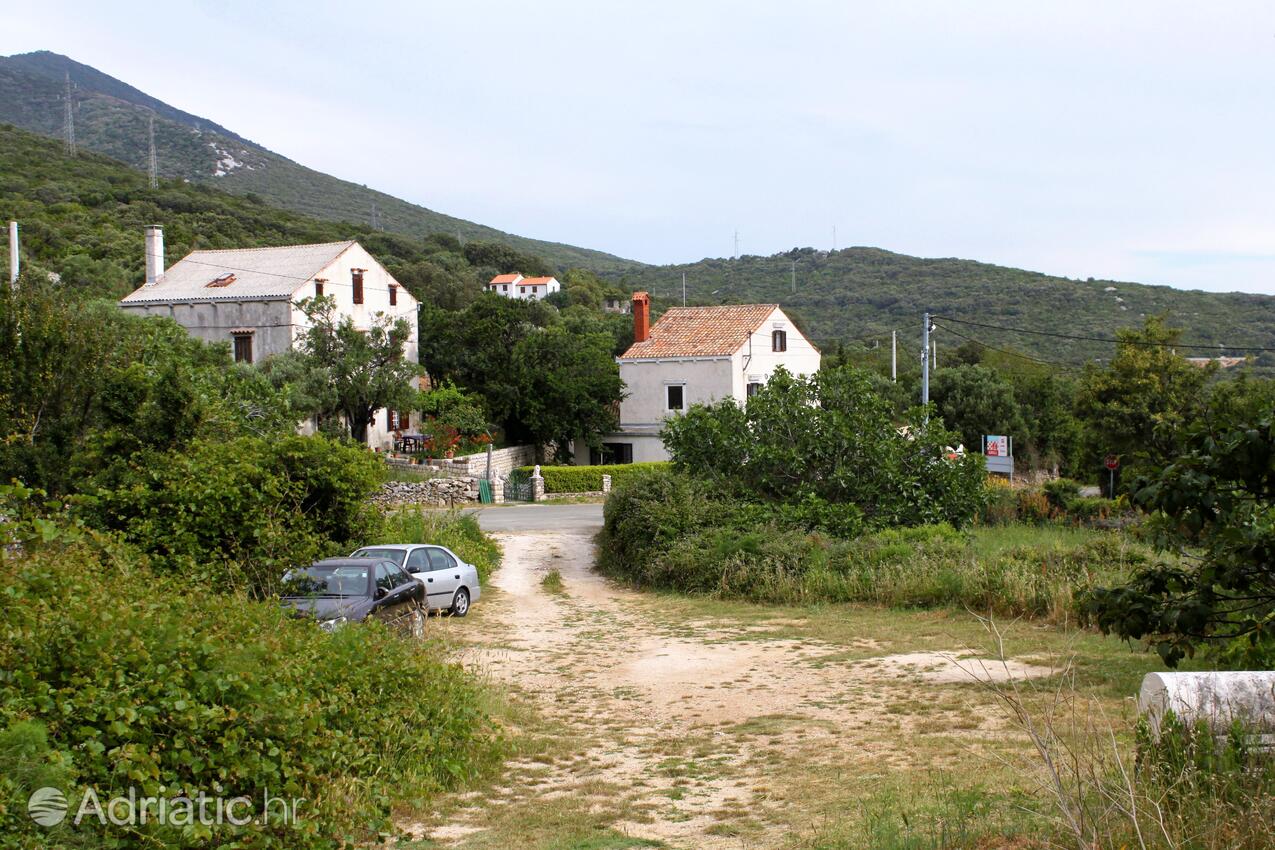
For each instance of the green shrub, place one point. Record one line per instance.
(453, 529)
(1000, 507)
(588, 479)
(1060, 491)
(233, 516)
(113, 679)
(1090, 509)
(1033, 506)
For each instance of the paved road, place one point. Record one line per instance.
(540, 517)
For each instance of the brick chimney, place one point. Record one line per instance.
(641, 317)
(154, 253)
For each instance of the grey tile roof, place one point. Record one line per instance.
(258, 273)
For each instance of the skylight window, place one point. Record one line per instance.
(223, 279)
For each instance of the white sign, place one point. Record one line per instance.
(997, 447)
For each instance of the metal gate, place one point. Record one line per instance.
(518, 487)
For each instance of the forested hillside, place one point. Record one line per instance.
(82, 218)
(861, 294)
(111, 118)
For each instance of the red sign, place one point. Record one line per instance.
(1112, 462)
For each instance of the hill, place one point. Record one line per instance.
(111, 118)
(82, 217)
(858, 295)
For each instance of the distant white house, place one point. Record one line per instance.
(525, 288)
(696, 355)
(250, 298)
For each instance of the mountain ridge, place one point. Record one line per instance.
(111, 118)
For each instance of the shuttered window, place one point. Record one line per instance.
(356, 276)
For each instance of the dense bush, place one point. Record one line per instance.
(588, 479)
(664, 531)
(828, 442)
(235, 515)
(113, 679)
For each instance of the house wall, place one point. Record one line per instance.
(212, 321)
(705, 380)
(756, 361)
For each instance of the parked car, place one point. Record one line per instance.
(336, 591)
(451, 584)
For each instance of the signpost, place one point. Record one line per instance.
(1112, 462)
(998, 452)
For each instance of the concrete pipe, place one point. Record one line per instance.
(1218, 699)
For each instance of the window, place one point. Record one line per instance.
(393, 295)
(418, 561)
(356, 276)
(779, 340)
(522, 290)
(440, 560)
(676, 397)
(384, 577)
(399, 575)
(753, 389)
(318, 286)
(504, 288)
(611, 453)
(243, 347)
(404, 419)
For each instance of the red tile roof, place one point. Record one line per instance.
(535, 281)
(701, 331)
(505, 278)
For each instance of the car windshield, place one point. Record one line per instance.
(321, 580)
(395, 555)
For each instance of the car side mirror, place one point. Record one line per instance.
(381, 593)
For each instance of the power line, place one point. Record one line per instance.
(1070, 367)
(1213, 347)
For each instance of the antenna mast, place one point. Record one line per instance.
(737, 244)
(376, 217)
(154, 162)
(683, 289)
(794, 277)
(68, 118)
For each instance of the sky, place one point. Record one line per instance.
(1131, 140)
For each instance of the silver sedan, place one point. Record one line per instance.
(451, 584)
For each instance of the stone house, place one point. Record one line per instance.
(696, 355)
(250, 297)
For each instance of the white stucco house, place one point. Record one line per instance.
(525, 288)
(249, 297)
(696, 355)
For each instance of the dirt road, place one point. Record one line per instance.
(701, 733)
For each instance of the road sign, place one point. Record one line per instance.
(1112, 462)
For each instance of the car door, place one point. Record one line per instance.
(394, 597)
(442, 579)
(413, 587)
(417, 562)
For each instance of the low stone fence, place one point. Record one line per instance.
(438, 492)
(503, 461)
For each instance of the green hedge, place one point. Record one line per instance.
(588, 479)
(113, 678)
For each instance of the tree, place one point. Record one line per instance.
(365, 368)
(1214, 507)
(568, 387)
(1138, 405)
(976, 400)
(831, 444)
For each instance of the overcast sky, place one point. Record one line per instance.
(1127, 140)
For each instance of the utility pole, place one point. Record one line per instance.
(934, 353)
(925, 361)
(153, 161)
(683, 289)
(68, 118)
(894, 356)
(15, 258)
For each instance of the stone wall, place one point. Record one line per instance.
(502, 462)
(438, 492)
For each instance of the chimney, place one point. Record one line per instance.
(641, 317)
(154, 254)
(14, 258)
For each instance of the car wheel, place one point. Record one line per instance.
(460, 605)
(418, 624)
